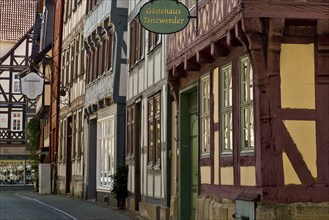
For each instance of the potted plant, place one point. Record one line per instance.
(119, 189)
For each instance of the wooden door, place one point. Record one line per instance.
(68, 155)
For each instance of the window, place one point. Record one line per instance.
(3, 120)
(154, 39)
(74, 6)
(65, 11)
(80, 134)
(106, 153)
(154, 129)
(205, 115)
(130, 129)
(76, 60)
(72, 70)
(74, 136)
(16, 83)
(246, 105)
(226, 109)
(109, 52)
(63, 70)
(61, 141)
(16, 121)
(137, 38)
(67, 67)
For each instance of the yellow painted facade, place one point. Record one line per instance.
(205, 173)
(297, 76)
(304, 136)
(290, 175)
(298, 92)
(248, 176)
(226, 176)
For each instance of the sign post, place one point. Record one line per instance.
(164, 16)
(32, 85)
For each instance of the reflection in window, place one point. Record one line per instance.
(205, 115)
(226, 109)
(154, 129)
(106, 153)
(246, 105)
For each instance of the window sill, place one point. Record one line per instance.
(205, 155)
(226, 154)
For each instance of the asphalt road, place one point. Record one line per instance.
(14, 206)
(21, 204)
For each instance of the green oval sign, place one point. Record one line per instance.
(164, 16)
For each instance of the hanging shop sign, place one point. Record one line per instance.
(164, 16)
(32, 85)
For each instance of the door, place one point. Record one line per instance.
(68, 155)
(137, 155)
(92, 143)
(194, 161)
(189, 146)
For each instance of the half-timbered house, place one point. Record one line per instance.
(105, 45)
(16, 33)
(70, 158)
(250, 81)
(41, 62)
(148, 116)
(55, 88)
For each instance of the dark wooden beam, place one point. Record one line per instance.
(219, 48)
(191, 65)
(296, 158)
(179, 71)
(232, 40)
(204, 56)
(322, 100)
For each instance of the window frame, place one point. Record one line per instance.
(154, 140)
(14, 118)
(226, 109)
(154, 39)
(106, 140)
(137, 42)
(205, 115)
(246, 104)
(16, 79)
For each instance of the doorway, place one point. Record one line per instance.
(189, 157)
(68, 155)
(91, 181)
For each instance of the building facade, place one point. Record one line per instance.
(250, 81)
(70, 158)
(105, 34)
(55, 88)
(148, 128)
(16, 34)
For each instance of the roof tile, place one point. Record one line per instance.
(16, 18)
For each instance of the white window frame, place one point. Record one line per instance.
(20, 118)
(205, 115)
(106, 152)
(246, 106)
(226, 113)
(15, 79)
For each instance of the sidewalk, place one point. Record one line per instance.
(79, 209)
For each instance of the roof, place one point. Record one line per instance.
(17, 17)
